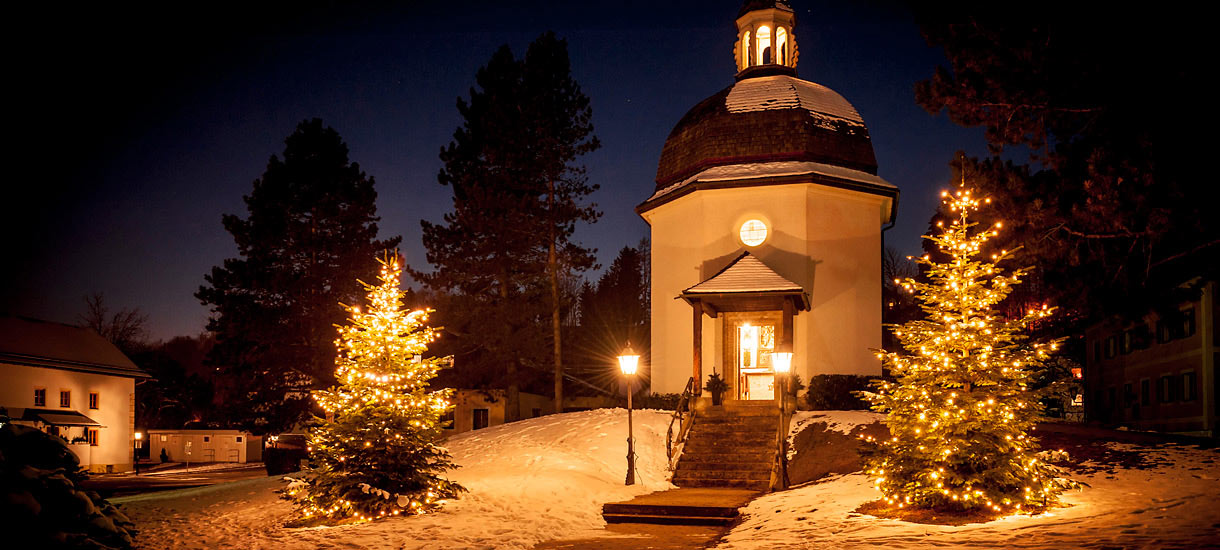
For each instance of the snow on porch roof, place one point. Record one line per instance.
(745, 274)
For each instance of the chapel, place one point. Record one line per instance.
(766, 226)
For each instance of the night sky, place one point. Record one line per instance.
(135, 131)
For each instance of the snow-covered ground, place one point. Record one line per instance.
(530, 481)
(546, 478)
(1172, 502)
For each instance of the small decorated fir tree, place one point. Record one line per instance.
(376, 451)
(963, 404)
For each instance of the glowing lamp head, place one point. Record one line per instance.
(139, 436)
(782, 360)
(628, 361)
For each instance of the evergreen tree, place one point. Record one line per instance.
(1116, 198)
(310, 231)
(615, 311)
(376, 450)
(963, 404)
(518, 194)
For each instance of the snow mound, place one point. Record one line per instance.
(843, 422)
(529, 481)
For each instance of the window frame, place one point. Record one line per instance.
(43, 401)
(93, 436)
(65, 399)
(95, 400)
(1190, 385)
(1145, 392)
(474, 418)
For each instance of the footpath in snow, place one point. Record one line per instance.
(530, 481)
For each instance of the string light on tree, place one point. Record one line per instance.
(376, 451)
(963, 403)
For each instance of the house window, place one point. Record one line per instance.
(447, 420)
(1111, 346)
(480, 419)
(40, 397)
(65, 398)
(164, 437)
(206, 439)
(1164, 389)
(1145, 392)
(1162, 332)
(1188, 323)
(1124, 346)
(91, 434)
(239, 439)
(1128, 395)
(93, 400)
(1189, 393)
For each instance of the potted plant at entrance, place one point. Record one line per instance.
(716, 386)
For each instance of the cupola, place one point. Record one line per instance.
(765, 41)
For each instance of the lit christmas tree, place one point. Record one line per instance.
(963, 404)
(376, 451)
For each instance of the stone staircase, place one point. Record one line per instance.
(732, 446)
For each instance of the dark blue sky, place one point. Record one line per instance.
(140, 133)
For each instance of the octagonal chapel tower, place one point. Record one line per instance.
(766, 226)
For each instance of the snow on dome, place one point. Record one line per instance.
(785, 92)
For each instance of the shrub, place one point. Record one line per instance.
(39, 500)
(836, 392)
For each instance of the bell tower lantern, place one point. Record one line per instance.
(765, 41)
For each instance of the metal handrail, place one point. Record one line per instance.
(685, 417)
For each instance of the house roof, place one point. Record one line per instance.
(56, 417)
(35, 343)
(745, 274)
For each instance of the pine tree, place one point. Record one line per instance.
(962, 406)
(308, 236)
(376, 450)
(518, 194)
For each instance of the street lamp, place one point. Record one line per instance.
(782, 361)
(135, 451)
(628, 361)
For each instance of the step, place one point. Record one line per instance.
(720, 444)
(667, 520)
(752, 475)
(630, 508)
(741, 455)
(726, 483)
(687, 465)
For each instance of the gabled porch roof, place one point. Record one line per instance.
(746, 284)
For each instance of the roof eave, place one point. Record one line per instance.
(806, 177)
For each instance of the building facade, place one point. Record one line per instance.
(766, 226)
(70, 382)
(205, 445)
(1158, 372)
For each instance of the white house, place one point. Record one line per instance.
(205, 445)
(71, 382)
(766, 226)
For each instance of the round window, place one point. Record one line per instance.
(753, 232)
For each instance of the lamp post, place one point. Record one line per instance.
(628, 361)
(135, 451)
(782, 361)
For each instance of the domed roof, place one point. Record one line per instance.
(767, 118)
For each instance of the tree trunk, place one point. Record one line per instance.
(512, 398)
(552, 265)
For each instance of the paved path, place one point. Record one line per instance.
(162, 479)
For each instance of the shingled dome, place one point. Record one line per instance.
(767, 119)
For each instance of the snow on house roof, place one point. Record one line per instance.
(745, 274)
(54, 345)
(759, 170)
(765, 93)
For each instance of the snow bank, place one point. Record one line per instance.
(1171, 505)
(843, 422)
(529, 481)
